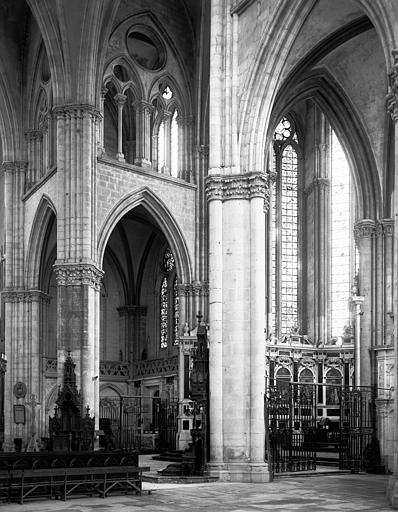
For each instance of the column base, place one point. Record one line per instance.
(392, 491)
(120, 157)
(142, 162)
(251, 472)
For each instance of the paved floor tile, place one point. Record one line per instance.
(326, 493)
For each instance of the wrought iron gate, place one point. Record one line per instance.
(293, 427)
(290, 413)
(120, 421)
(359, 446)
(125, 421)
(167, 411)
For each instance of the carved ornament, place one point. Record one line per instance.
(133, 311)
(239, 186)
(388, 226)
(78, 274)
(365, 228)
(317, 183)
(184, 121)
(33, 135)
(16, 296)
(333, 362)
(297, 354)
(284, 360)
(16, 166)
(308, 362)
(198, 288)
(77, 111)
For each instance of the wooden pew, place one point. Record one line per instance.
(63, 482)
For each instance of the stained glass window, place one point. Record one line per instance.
(340, 246)
(169, 302)
(284, 231)
(168, 260)
(176, 304)
(289, 240)
(164, 313)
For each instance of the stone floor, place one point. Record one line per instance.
(320, 493)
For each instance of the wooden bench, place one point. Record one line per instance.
(63, 482)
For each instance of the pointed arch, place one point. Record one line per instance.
(51, 399)
(178, 96)
(134, 82)
(114, 388)
(146, 198)
(44, 214)
(10, 131)
(321, 87)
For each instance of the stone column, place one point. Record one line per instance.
(257, 326)
(317, 248)
(237, 322)
(78, 274)
(14, 187)
(101, 124)
(34, 142)
(216, 387)
(392, 108)
(143, 113)
(388, 288)
(134, 331)
(167, 143)
(23, 312)
(364, 233)
(120, 101)
(356, 303)
(44, 156)
(77, 330)
(185, 125)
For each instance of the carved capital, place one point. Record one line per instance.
(387, 226)
(365, 228)
(183, 290)
(200, 288)
(185, 121)
(141, 106)
(34, 135)
(15, 296)
(78, 274)
(238, 186)
(16, 166)
(76, 111)
(132, 311)
(202, 150)
(318, 184)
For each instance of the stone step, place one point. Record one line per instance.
(160, 479)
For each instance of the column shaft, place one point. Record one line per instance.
(364, 232)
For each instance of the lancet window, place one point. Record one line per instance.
(297, 256)
(169, 302)
(167, 133)
(284, 210)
